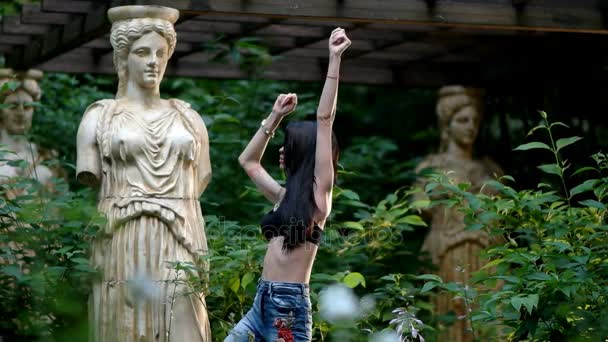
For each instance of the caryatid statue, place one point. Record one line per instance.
(16, 120)
(455, 250)
(150, 159)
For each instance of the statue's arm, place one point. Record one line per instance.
(88, 162)
(204, 161)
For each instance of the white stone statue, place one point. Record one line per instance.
(150, 158)
(16, 120)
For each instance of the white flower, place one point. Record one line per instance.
(143, 289)
(385, 336)
(368, 304)
(339, 303)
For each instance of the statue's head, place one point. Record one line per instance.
(459, 110)
(143, 38)
(17, 105)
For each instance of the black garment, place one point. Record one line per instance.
(273, 227)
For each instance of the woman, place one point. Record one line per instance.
(150, 157)
(282, 309)
(454, 249)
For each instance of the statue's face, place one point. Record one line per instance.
(464, 126)
(17, 117)
(147, 60)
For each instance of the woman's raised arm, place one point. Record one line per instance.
(324, 172)
(250, 158)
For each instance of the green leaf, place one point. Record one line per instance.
(587, 185)
(351, 195)
(80, 261)
(532, 145)
(539, 276)
(429, 286)
(529, 302)
(420, 204)
(247, 279)
(413, 220)
(561, 143)
(559, 124)
(432, 277)
(353, 225)
(585, 169)
(225, 118)
(12, 271)
(234, 284)
(551, 169)
(593, 204)
(535, 129)
(473, 201)
(354, 279)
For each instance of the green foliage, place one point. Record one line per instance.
(44, 267)
(550, 274)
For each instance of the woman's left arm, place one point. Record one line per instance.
(326, 112)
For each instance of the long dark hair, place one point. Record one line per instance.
(294, 217)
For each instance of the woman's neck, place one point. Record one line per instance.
(144, 97)
(460, 152)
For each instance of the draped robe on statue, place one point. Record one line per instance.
(153, 170)
(453, 248)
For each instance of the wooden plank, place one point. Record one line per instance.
(14, 39)
(67, 6)
(245, 30)
(209, 26)
(31, 13)
(82, 60)
(547, 16)
(6, 48)
(79, 30)
(291, 31)
(12, 24)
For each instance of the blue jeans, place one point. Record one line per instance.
(279, 310)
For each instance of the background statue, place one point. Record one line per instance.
(150, 157)
(452, 248)
(17, 111)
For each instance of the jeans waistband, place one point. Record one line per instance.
(278, 286)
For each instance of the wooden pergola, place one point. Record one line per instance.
(409, 42)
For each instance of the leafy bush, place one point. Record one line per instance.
(44, 267)
(552, 269)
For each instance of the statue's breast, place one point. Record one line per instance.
(152, 141)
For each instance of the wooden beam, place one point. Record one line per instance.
(561, 16)
(82, 60)
(14, 39)
(12, 24)
(80, 29)
(31, 13)
(68, 6)
(245, 29)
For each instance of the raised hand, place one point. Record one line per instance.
(285, 104)
(338, 42)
